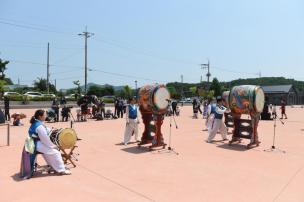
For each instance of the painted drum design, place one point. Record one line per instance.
(246, 99)
(154, 98)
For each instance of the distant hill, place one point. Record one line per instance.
(266, 81)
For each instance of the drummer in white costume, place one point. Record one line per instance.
(131, 122)
(217, 123)
(210, 114)
(44, 145)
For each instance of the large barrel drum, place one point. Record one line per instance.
(154, 99)
(225, 97)
(246, 99)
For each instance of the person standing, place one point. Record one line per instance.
(120, 108)
(116, 101)
(7, 108)
(218, 124)
(55, 107)
(131, 122)
(174, 108)
(210, 114)
(283, 109)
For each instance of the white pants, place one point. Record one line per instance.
(131, 127)
(217, 125)
(55, 161)
(209, 121)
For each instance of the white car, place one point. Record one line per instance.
(33, 94)
(49, 95)
(11, 94)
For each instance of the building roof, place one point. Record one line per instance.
(277, 89)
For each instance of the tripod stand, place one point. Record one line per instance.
(170, 133)
(273, 147)
(170, 149)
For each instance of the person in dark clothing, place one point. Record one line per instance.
(84, 108)
(63, 101)
(7, 108)
(120, 108)
(174, 107)
(116, 102)
(196, 107)
(55, 107)
(283, 109)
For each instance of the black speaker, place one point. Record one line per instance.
(2, 117)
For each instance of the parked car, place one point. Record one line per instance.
(186, 100)
(72, 96)
(11, 94)
(49, 95)
(33, 94)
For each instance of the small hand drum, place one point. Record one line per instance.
(64, 138)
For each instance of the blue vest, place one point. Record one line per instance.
(218, 116)
(132, 112)
(34, 126)
(32, 131)
(213, 107)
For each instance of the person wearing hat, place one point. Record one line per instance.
(131, 121)
(17, 119)
(217, 123)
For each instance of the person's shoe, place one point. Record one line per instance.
(66, 172)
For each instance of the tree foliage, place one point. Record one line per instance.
(40, 85)
(3, 67)
(216, 87)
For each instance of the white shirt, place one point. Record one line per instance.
(45, 145)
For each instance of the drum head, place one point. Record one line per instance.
(161, 98)
(259, 100)
(67, 138)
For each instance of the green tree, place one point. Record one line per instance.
(109, 90)
(40, 85)
(3, 67)
(128, 91)
(216, 87)
(193, 90)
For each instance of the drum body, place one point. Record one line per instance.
(154, 99)
(64, 138)
(225, 97)
(246, 99)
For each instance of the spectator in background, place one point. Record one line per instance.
(283, 109)
(174, 107)
(120, 108)
(55, 107)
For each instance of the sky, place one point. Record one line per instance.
(152, 41)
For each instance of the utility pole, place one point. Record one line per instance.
(18, 82)
(135, 89)
(55, 84)
(48, 69)
(182, 89)
(86, 35)
(207, 66)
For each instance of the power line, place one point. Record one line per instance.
(145, 52)
(32, 27)
(127, 76)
